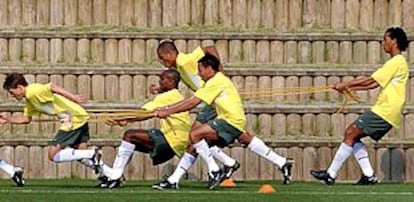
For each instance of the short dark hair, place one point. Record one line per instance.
(173, 75)
(13, 80)
(399, 34)
(166, 46)
(210, 60)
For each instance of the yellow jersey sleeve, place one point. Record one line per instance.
(209, 92)
(384, 74)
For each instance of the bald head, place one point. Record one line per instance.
(167, 46)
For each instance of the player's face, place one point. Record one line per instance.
(167, 59)
(164, 82)
(202, 71)
(17, 93)
(388, 43)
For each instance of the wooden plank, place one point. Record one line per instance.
(15, 13)
(397, 165)
(308, 124)
(43, 13)
(183, 13)
(42, 50)
(282, 15)
(125, 51)
(138, 51)
(15, 50)
(383, 167)
(345, 52)
(99, 12)
(254, 12)
(111, 88)
(395, 12)
(262, 51)
(249, 51)
(111, 51)
(21, 158)
(3, 13)
(332, 52)
(225, 13)
(409, 165)
(359, 52)
(139, 83)
(85, 12)
(279, 124)
(56, 51)
(323, 13)
(69, 50)
(294, 124)
(29, 50)
(155, 14)
(297, 154)
(352, 14)
(70, 12)
(210, 12)
(252, 166)
(3, 50)
(239, 154)
(338, 124)
(70, 83)
(318, 52)
(305, 81)
(305, 52)
(112, 12)
(98, 86)
(126, 88)
(83, 50)
(290, 52)
(309, 13)
(97, 50)
(239, 10)
(323, 125)
(126, 12)
(49, 167)
(292, 82)
(407, 17)
(366, 20)
(380, 14)
(309, 162)
(235, 51)
(338, 14)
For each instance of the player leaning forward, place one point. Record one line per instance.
(70, 142)
(386, 113)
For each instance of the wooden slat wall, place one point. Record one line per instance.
(391, 164)
(125, 51)
(281, 15)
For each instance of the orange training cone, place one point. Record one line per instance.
(227, 183)
(266, 188)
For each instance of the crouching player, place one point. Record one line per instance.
(161, 144)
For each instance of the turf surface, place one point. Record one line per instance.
(83, 190)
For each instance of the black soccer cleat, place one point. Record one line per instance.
(214, 179)
(113, 184)
(367, 180)
(287, 171)
(18, 177)
(229, 170)
(323, 176)
(96, 158)
(165, 184)
(103, 182)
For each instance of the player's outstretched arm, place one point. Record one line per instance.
(74, 97)
(20, 119)
(182, 106)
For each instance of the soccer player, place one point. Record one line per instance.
(15, 172)
(187, 65)
(386, 113)
(161, 144)
(70, 142)
(228, 125)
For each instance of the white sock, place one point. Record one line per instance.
(341, 156)
(125, 151)
(70, 154)
(203, 150)
(106, 170)
(9, 169)
(221, 156)
(258, 147)
(361, 155)
(185, 163)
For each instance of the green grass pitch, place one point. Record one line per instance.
(84, 190)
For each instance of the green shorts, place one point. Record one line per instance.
(373, 125)
(226, 132)
(162, 151)
(73, 137)
(206, 114)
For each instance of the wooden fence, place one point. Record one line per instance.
(125, 48)
(391, 162)
(279, 15)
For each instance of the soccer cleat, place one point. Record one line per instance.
(367, 180)
(323, 176)
(287, 170)
(96, 158)
(18, 177)
(229, 170)
(103, 182)
(112, 184)
(214, 178)
(165, 184)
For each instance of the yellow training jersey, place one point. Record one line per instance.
(228, 105)
(41, 99)
(187, 66)
(176, 128)
(392, 77)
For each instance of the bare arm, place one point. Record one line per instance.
(15, 119)
(363, 83)
(74, 97)
(182, 106)
(213, 51)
